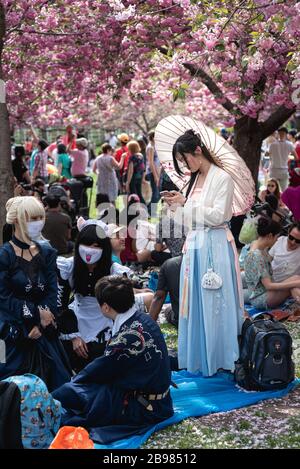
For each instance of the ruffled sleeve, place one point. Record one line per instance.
(65, 267)
(118, 269)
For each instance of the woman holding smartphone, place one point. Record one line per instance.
(211, 308)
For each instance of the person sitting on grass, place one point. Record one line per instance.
(286, 254)
(129, 386)
(168, 282)
(264, 292)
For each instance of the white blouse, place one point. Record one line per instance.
(214, 204)
(90, 318)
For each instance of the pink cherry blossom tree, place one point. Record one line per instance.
(245, 52)
(68, 56)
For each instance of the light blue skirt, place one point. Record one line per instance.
(208, 337)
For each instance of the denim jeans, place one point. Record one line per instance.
(155, 195)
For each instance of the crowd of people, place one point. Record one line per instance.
(74, 308)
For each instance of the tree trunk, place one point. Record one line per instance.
(6, 174)
(247, 141)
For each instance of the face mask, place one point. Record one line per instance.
(90, 255)
(34, 229)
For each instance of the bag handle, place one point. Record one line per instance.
(261, 316)
(210, 259)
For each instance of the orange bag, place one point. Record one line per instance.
(72, 438)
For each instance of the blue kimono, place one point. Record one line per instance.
(25, 285)
(127, 389)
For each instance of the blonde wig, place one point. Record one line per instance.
(22, 209)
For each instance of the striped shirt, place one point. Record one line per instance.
(40, 163)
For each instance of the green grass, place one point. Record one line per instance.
(269, 424)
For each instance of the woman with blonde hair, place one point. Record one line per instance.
(28, 298)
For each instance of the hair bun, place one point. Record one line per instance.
(263, 221)
(12, 209)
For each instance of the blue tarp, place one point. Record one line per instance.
(253, 311)
(197, 396)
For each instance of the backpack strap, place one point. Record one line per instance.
(261, 316)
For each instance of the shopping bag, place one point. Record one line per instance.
(72, 438)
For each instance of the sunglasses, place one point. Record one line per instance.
(291, 238)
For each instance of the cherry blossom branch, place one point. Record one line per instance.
(211, 85)
(279, 117)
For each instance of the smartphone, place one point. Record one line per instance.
(165, 193)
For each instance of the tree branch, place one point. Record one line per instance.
(211, 85)
(278, 118)
(46, 33)
(146, 122)
(136, 122)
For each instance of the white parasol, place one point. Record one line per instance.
(225, 156)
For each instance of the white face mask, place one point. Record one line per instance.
(34, 229)
(90, 255)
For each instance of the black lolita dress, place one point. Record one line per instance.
(25, 285)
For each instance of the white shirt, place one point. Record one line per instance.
(285, 263)
(121, 318)
(279, 154)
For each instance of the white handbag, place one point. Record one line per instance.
(211, 280)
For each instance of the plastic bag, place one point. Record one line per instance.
(146, 192)
(248, 233)
(72, 438)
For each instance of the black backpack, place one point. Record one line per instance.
(265, 361)
(10, 421)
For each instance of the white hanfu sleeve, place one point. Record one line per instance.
(214, 208)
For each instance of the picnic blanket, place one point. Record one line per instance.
(197, 396)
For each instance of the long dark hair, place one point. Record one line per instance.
(88, 236)
(277, 190)
(188, 143)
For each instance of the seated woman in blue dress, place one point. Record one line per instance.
(28, 298)
(127, 389)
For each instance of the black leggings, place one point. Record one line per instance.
(136, 187)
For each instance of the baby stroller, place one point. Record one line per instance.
(269, 208)
(78, 188)
(68, 206)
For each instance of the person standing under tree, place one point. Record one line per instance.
(210, 319)
(153, 172)
(279, 154)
